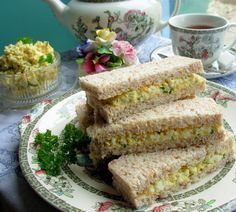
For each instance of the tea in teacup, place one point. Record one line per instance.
(199, 36)
(199, 27)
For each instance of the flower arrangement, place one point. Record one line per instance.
(105, 53)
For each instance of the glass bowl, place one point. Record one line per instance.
(25, 89)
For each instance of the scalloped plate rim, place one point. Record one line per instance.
(56, 101)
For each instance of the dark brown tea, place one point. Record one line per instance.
(200, 27)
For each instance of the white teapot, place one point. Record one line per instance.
(132, 20)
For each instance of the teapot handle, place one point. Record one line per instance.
(176, 10)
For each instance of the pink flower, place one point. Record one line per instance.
(215, 94)
(124, 50)
(160, 208)
(94, 63)
(132, 13)
(47, 101)
(40, 172)
(26, 119)
(36, 131)
(227, 98)
(104, 206)
(205, 54)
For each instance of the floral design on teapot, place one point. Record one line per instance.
(133, 26)
(190, 46)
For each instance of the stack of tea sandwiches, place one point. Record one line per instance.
(148, 118)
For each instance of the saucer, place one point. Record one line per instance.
(213, 72)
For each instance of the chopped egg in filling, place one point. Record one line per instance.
(185, 175)
(145, 93)
(159, 137)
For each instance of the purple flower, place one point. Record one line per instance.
(84, 48)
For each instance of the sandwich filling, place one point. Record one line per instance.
(163, 138)
(185, 175)
(171, 86)
(168, 135)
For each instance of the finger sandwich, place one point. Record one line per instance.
(142, 178)
(179, 124)
(125, 91)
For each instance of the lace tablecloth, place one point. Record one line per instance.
(15, 193)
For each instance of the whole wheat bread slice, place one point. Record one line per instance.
(109, 84)
(179, 114)
(133, 173)
(85, 115)
(112, 114)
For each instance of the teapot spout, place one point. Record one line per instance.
(59, 8)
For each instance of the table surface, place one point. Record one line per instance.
(15, 193)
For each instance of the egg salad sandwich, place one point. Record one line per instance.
(179, 124)
(85, 116)
(133, 89)
(144, 177)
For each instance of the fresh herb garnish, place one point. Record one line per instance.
(73, 140)
(25, 40)
(167, 90)
(49, 155)
(54, 152)
(46, 58)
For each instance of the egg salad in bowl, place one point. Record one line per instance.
(28, 71)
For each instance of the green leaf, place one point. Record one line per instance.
(46, 58)
(225, 104)
(80, 61)
(115, 62)
(104, 50)
(25, 40)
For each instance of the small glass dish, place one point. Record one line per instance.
(26, 89)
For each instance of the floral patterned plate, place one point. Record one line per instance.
(214, 72)
(76, 190)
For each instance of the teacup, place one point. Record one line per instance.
(199, 36)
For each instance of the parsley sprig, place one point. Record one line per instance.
(46, 58)
(49, 156)
(53, 152)
(25, 40)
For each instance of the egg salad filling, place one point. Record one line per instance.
(28, 69)
(160, 137)
(185, 175)
(25, 57)
(145, 93)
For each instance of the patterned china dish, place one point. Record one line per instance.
(77, 190)
(220, 68)
(132, 20)
(200, 36)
